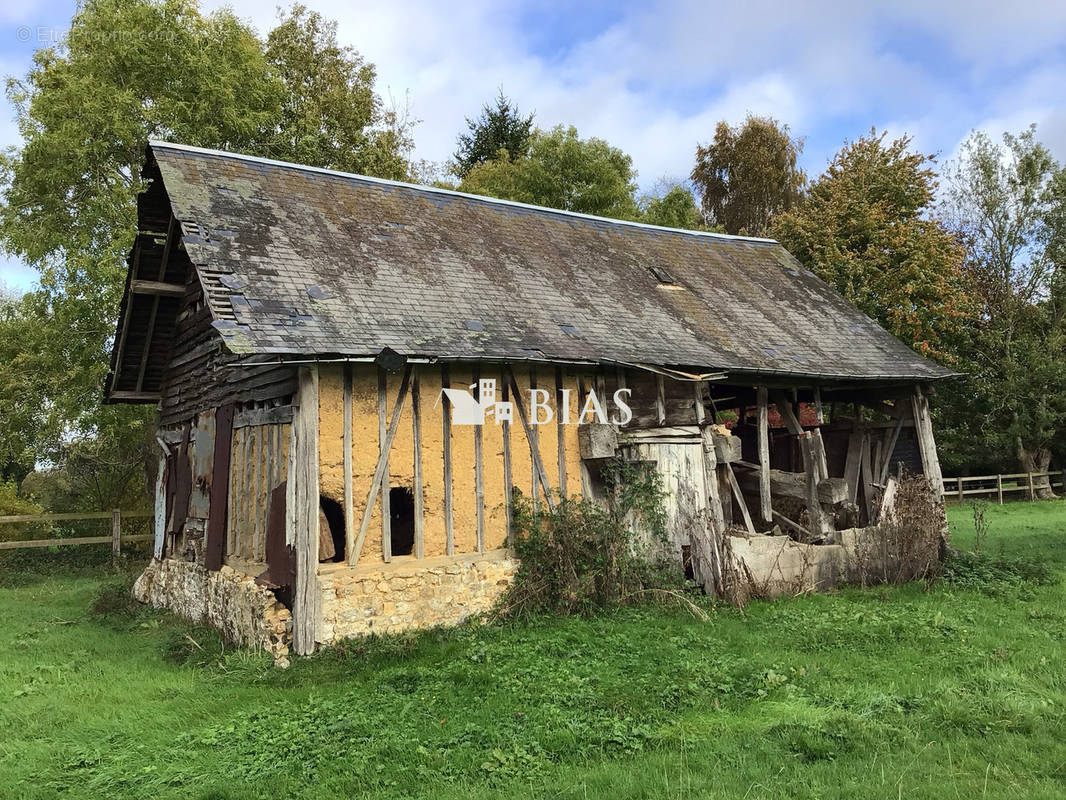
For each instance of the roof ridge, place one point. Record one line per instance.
(453, 193)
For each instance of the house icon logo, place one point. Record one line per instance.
(469, 411)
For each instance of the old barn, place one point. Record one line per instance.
(296, 327)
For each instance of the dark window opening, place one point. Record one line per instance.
(662, 275)
(686, 562)
(402, 520)
(334, 512)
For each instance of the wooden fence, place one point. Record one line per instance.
(116, 538)
(998, 485)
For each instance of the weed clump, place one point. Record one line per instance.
(584, 555)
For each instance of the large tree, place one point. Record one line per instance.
(868, 227)
(748, 174)
(330, 115)
(563, 171)
(499, 128)
(1008, 202)
(85, 111)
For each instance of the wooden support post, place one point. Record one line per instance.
(446, 417)
(923, 427)
(812, 473)
(349, 489)
(116, 536)
(1032, 491)
(304, 478)
(999, 488)
(533, 437)
(560, 428)
(698, 403)
(765, 509)
(416, 428)
(660, 399)
(868, 481)
(707, 544)
(508, 481)
(962, 497)
(159, 519)
(853, 464)
(382, 465)
(479, 472)
(383, 453)
(818, 414)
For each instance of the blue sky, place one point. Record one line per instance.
(654, 77)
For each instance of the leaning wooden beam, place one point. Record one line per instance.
(890, 448)
(765, 509)
(739, 497)
(794, 484)
(383, 452)
(349, 489)
(534, 451)
(305, 536)
(446, 422)
(382, 465)
(788, 416)
(794, 525)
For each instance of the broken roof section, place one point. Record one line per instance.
(298, 261)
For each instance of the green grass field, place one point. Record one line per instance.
(955, 690)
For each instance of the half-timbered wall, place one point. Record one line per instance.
(461, 471)
(258, 463)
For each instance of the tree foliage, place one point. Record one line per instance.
(562, 171)
(867, 227)
(330, 115)
(748, 174)
(1008, 203)
(498, 128)
(673, 208)
(85, 111)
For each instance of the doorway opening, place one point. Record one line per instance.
(334, 513)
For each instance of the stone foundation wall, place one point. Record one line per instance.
(406, 595)
(777, 565)
(228, 600)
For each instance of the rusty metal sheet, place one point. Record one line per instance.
(219, 488)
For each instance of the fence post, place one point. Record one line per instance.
(961, 496)
(999, 488)
(1032, 492)
(116, 535)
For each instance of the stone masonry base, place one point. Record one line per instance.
(406, 594)
(228, 600)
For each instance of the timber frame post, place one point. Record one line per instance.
(923, 427)
(304, 516)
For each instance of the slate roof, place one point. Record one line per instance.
(303, 261)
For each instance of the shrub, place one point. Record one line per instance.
(586, 555)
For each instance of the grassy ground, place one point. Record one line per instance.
(954, 690)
